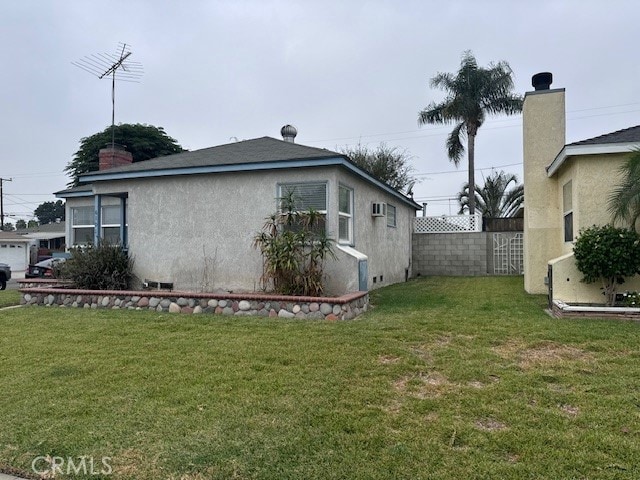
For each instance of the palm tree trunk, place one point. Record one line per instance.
(471, 146)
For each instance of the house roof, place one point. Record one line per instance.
(12, 237)
(54, 227)
(258, 154)
(620, 141)
(626, 135)
(258, 150)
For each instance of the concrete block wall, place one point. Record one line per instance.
(450, 253)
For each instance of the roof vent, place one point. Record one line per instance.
(542, 80)
(288, 133)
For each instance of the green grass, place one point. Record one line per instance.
(9, 298)
(446, 378)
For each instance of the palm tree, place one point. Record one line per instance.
(472, 94)
(495, 199)
(624, 201)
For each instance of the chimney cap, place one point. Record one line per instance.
(542, 80)
(288, 133)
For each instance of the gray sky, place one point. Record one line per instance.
(342, 72)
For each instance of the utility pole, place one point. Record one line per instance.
(2, 201)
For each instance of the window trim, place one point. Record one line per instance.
(348, 216)
(76, 226)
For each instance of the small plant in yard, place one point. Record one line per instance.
(607, 254)
(631, 299)
(294, 246)
(103, 267)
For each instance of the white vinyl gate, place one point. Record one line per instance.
(508, 254)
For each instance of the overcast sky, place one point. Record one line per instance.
(342, 72)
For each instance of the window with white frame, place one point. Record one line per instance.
(567, 211)
(111, 224)
(391, 215)
(307, 196)
(345, 215)
(82, 225)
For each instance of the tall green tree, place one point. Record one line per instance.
(21, 224)
(473, 92)
(142, 141)
(388, 164)
(500, 196)
(48, 212)
(624, 201)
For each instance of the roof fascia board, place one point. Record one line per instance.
(248, 167)
(84, 193)
(596, 149)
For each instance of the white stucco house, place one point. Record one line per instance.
(190, 219)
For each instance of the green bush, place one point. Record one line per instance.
(294, 246)
(607, 254)
(105, 267)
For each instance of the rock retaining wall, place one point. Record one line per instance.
(345, 307)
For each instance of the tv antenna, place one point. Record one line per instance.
(118, 67)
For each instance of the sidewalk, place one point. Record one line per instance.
(4, 476)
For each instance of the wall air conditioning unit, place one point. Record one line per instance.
(378, 209)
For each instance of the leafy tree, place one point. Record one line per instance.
(142, 141)
(47, 212)
(388, 164)
(472, 94)
(607, 254)
(8, 227)
(294, 246)
(495, 198)
(624, 201)
(32, 224)
(21, 225)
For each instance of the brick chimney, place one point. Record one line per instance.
(115, 156)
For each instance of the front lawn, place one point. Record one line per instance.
(446, 378)
(9, 298)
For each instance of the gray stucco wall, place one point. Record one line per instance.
(197, 230)
(450, 253)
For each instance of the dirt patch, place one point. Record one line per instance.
(490, 425)
(427, 385)
(476, 384)
(570, 410)
(543, 354)
(388, 359)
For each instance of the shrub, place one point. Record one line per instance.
(105, 267)
(294, 246)
(607, 254)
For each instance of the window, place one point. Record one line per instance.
(567, 211)
(345, 215)
(82, 225)
(111, 224)
(391, 215)
(307, 196)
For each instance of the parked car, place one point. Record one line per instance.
(44, 269)
(5, 275)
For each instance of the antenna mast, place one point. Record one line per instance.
(117, 66)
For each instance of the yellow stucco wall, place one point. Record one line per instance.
(544, 137)
(568, 288)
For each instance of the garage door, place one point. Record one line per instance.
(15, 255)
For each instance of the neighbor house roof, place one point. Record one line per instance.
(258, 154)
(53, 227)
(12, 237)
(620, 141)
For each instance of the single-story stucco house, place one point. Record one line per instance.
(567, 187)
(190, 219)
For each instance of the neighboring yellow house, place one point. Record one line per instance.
(566, 189)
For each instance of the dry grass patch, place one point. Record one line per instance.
(490, 425)
(541, 355)
(429, 385)
(388, 359)
(570, 410)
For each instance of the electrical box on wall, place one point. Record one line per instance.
(378, 209)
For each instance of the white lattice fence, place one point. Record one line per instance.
(448, 224)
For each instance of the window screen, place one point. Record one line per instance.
(307, 195)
